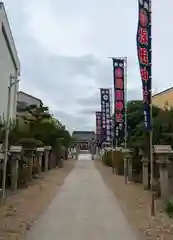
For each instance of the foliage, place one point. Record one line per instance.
(29, 143)
(162, 125)
(136, 165)
(116, 159)
(107, 158)
(37, 127)
(169, 208)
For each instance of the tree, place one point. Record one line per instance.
(44, 127)
(162, 125)
(39, 126)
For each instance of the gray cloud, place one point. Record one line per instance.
(64, 51)
(92, 100)
(74, 122)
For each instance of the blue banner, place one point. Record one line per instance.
(98, 127)
(106, 115)
(143, 39)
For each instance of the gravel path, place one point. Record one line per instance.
(21, 209)
(84, 209)
(135, 203)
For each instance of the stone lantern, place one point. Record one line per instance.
(128, 168)
(163, 152)
(16, 152)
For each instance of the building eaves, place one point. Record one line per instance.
(31, 96)
(162, 92)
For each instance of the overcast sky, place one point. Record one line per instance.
(64, 47)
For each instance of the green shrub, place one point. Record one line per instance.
(119, 162)
(107, 158)
(116, 159)
(169, 208)
(30, 143)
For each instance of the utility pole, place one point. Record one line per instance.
(7, 134)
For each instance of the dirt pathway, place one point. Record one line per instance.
(23, 208)
(84, 209)
(135, 203)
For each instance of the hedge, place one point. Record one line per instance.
(116, 158)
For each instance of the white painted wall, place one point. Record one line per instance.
(7, 66)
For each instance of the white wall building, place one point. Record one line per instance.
(9, 65)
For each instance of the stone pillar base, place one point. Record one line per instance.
(46, 155)
(130, 170)
(14, 174)
(145, 173)
(164, 181)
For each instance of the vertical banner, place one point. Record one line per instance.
(143, 39)
(98, 128)
(119, 98)
(106, 112)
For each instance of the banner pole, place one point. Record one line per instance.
(101, 132)
(151, 132)
(111, 110)
(125, 120)
(125, 101)
(114, 137)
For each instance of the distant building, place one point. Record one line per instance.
(83, 138)
(25, 100)
(163, 99)
(83, 135)
(9, 65)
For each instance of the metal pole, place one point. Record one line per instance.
(114, 126)
(111, 110)
(151, 132)
(151, 170)
(102, 145)
(6, 138)
(125, 115)
(7, 135)
(125, 100)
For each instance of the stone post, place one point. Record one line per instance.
(46, 161)
(130, 169)
(30, 156)
(1, 170)
(14, 171)
(46, 156)
(77, 152)
(39, 154)
(145, 175)
(163, 152)
(50, 160)
(15, 157)
(164, 181)
(92, 150)
(125, 170)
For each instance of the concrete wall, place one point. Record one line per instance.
(163, 99)
(9, 64)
